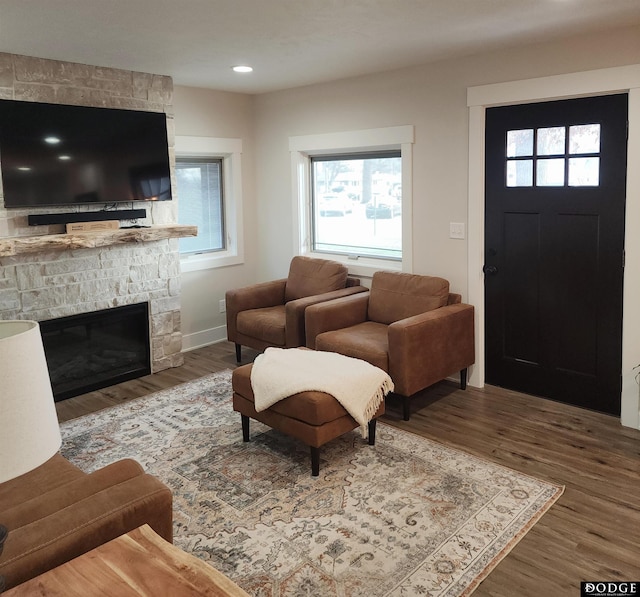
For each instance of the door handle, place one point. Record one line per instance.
(490, 270)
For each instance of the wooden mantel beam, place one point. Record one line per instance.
(19, 245)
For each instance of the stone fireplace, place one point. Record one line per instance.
(45, 285)
(46, 274)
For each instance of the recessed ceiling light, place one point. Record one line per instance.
(52, 140)
(24, 168)
(242, 69)
(64, 157)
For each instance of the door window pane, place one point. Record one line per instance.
(584, 138)
(550, 173)
(519, 143)
(520, 173)
(551, 140)
(584, 172)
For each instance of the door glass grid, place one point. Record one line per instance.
(553, 156)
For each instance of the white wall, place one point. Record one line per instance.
(206, 113)
(433, 98)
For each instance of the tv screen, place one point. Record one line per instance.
(53, 154)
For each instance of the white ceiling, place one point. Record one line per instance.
(288, 42)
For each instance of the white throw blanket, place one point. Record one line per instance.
(357, 385)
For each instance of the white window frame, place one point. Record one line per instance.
(302, 148)
(230, 150)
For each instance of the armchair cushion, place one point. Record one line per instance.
(367, 341)
(267, 323)
(396, 296)
(309, 276)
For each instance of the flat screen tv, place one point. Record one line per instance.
(53, 154)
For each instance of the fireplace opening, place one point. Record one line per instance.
(95, 350)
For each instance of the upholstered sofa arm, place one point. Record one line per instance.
(96, 509)
(334, 315)
(26, 511)
(428, 347)
(295, 312)
(264, 294)
(256, 296)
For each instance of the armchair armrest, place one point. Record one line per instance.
(295, 312)
(86, 522)
(334, 315)
(428, 347)
(25, 511)
(256, 296)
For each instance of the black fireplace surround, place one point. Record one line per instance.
(95, 350)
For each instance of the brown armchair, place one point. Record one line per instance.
(408, 325)
(57, 512)
(272, 313)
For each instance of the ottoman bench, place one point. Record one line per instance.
(312, 417)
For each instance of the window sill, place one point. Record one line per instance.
(204, 261)
(363, 267)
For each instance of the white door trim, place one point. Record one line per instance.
(603, 81)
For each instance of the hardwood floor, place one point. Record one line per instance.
(591, 533)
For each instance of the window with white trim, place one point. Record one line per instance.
(336, 177)
(209, 190)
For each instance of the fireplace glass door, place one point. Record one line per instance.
(95, 350)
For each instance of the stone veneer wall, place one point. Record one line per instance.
(54, 284)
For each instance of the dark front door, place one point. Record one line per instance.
(555, 204)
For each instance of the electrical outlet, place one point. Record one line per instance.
(456, 230)
(223, 305)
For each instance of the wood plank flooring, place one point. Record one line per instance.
(591, 533)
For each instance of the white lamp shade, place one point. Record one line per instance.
(29, 430)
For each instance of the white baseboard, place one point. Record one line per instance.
(204, 338)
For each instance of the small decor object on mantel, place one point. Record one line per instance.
(92, 226)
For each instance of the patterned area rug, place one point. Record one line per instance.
(405, 517)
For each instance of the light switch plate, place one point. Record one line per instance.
(456, 230)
